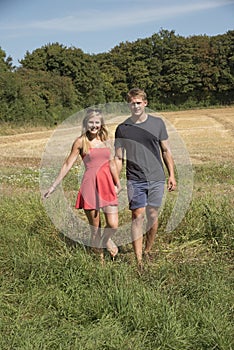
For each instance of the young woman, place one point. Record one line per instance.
(100, 184)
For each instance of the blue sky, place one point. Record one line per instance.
(98, 25)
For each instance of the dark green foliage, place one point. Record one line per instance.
(177, 72)
(35, 97)
(5, 62)
(73, 63)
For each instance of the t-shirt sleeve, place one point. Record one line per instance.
(163, 134)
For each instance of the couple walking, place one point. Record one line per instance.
(144, 139)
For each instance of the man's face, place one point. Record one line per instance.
(137, 106)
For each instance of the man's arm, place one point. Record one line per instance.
(169, 163)
(119, 159)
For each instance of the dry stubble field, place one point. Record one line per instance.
(207, 134)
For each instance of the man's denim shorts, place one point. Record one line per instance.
(145, 193)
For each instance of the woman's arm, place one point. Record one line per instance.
(75, 151)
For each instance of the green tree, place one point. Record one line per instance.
(223, 58)
(113, 75)
(35, 97)
(176, 67)
(73, 63)
(9, 92)
(5, 62)
(54, 81)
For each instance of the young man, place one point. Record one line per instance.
(144, 138)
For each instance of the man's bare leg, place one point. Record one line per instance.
(137, 232)
(152, 228)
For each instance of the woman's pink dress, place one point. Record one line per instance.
(97, 187)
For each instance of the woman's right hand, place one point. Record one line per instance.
(118, 189)
(50, 190)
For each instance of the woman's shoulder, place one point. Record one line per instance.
(109, 143)
(78, 142)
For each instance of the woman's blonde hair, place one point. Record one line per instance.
(102, 133)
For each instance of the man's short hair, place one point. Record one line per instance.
(136, 92)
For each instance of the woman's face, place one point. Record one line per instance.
(94, 125)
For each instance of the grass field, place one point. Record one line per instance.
(56, 295)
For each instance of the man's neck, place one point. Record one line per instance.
(139, 118)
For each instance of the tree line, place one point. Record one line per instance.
(176, 72)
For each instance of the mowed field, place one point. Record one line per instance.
(56, 295)
(208, 135)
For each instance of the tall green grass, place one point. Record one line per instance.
(55, 295)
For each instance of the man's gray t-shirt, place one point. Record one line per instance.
(141, 143)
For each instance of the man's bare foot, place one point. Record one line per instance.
(148, 257)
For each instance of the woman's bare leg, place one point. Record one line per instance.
(111, 218)
(94, 220)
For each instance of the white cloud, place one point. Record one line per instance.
(95, 20)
